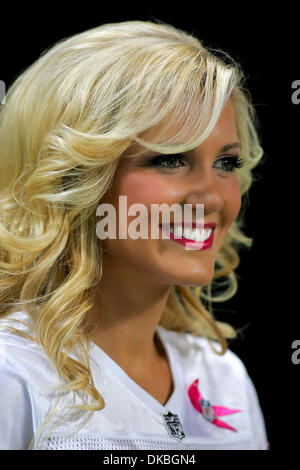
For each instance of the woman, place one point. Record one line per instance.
(110, 342)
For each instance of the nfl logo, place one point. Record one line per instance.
(173, 425)
(207, 410)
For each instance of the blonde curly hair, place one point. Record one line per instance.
(67, 120)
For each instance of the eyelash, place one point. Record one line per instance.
(235, 160)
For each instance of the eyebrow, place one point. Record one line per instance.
(230, 146)
(222, 149)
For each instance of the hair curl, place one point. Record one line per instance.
(67, 120)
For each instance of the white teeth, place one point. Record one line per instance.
(178, 231)
(195, 234)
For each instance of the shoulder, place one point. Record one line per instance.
(197, 350)
(222, 378)
(22, 356)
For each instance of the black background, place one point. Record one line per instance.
(265, 43)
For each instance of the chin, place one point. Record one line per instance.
(197, 280)
(193, 284)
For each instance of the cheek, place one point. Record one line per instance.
(140, 188)
(233, 200)
(145, 189)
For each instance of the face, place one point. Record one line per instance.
(205, 175)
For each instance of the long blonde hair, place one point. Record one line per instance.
(67, 120)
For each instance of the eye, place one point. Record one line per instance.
(167, 161)
(230, 162)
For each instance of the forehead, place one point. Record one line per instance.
(225, 128)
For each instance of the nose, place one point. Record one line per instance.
(204, 188)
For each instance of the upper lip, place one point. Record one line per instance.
(211, 225)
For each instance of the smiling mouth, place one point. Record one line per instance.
(192, 233)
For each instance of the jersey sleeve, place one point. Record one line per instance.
(258, 423)
(16, 427)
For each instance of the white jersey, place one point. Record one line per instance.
(132, 418)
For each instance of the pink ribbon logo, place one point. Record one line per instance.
(209, 411)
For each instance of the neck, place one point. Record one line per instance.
(125, 317)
